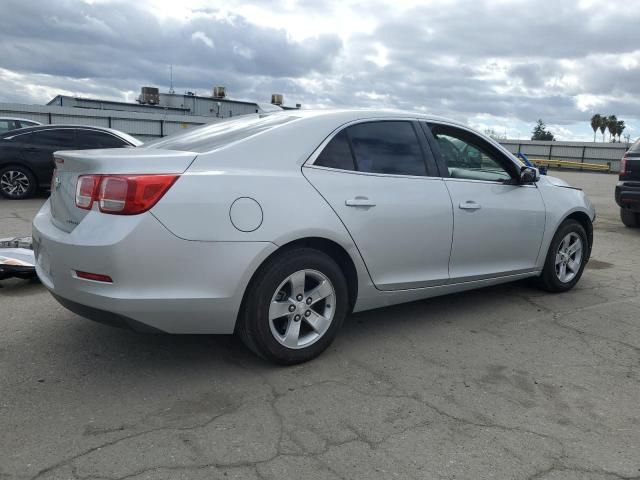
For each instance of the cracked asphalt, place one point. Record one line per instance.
(506, 382)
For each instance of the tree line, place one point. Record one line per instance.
(604, 123)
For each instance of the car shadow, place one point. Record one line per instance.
(85, 342)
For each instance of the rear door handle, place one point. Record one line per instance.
(359, 202)
(469, 205)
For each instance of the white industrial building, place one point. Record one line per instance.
(154, 115)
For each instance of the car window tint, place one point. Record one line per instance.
(63, 137)
(389, 147)
(635, 148)
(468, 156)
(97, 139)
(337, 153)
(217, 134)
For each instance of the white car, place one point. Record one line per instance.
(13, 123)
(277, 227)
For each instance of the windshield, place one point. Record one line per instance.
(635, 148)
(214, 135)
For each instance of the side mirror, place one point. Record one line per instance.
(529, 175)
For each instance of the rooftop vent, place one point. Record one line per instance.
(219, 92)
(276, 99)
(149, 95)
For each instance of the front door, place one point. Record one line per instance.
(498, 222)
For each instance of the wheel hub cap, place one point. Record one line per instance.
(302, 309)
(569, 257)
(14, 183)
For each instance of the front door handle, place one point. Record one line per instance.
(469, 205)
(359, 202)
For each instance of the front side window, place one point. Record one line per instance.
(468, 156)
(387, 147)
(7, 125)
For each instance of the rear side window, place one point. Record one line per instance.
(96, 139)
(51, 138)
(218, 134)
(337, 153)
(388, 147)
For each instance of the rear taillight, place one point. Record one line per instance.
(86, 189)
(122, 194)
(623, 166)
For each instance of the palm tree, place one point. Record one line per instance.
(596, 121)
(603, 126)
(621, 127)
(612, 125)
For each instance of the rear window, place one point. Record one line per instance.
(214, 135)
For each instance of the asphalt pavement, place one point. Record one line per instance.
(506, 382)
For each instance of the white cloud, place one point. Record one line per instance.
(201, 36)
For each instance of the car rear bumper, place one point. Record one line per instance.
(628, 195)
(160, 282)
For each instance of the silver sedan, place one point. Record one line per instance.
(277, 227)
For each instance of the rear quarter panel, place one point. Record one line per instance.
(267, 169)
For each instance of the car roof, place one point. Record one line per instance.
(21, 119)
(37, 128)
(364, 113)
(40, 128)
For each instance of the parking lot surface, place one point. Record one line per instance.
(506, 382)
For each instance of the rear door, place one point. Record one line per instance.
(37, 149)
(498, 222)
(380, 178)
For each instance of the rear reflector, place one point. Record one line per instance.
(96, 277)
(122, 194)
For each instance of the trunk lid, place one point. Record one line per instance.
(73, 163)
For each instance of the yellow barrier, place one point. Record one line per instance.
(566, 164)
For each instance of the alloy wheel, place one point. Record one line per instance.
(569, 257)
(302, 309)
(14, 183)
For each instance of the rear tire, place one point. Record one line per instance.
(278, 321)
(629, 218)
(566, 258)
(17, 182)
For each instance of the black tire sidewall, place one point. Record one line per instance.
(630, 219)
(256, 311)
(32, 182)
(549, 277)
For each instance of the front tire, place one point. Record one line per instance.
(17, 183)
(566, 258)
(294, 306)
(629, 218)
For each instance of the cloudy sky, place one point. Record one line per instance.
(497, 64)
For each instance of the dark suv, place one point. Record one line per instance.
(628, 188)
(26, 154)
